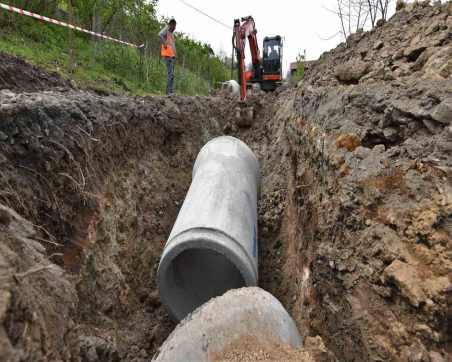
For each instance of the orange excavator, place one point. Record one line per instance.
(266, 71)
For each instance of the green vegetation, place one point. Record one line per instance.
(299, 74)
(103, 64)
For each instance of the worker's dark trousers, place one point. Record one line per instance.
(170, 78)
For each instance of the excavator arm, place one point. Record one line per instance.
(245, 29)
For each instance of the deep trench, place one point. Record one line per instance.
(111, 180)
(104, 178)
(143, 196)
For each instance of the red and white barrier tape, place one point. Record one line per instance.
(62, 23)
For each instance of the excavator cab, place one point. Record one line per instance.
(272, 62)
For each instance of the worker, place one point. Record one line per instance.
(168, 52)
(274, 53)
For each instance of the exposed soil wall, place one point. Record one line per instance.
(369, 217)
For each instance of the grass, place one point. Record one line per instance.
(101, 64)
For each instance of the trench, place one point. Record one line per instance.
(295, 215)
(139, 256)
(102, 180)
(108, 191)
(148, 207)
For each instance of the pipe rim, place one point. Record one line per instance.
(208, 239)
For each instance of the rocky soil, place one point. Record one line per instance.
(355, 215)
(370, 193)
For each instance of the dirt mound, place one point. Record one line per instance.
(415, 42)
(18, 75)
(370, 207)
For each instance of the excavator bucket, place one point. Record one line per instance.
(244, 115)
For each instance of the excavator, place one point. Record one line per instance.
(266, 71)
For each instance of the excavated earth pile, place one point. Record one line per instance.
(369, 216)
(18, 75)
(355, 212)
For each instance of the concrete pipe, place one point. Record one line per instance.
(213, 245)
(232, 87)
(238, 314)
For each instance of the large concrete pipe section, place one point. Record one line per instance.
(232, 87)
(237, 315)
(213, 245)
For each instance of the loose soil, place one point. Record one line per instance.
(355, 212)
(18, 75)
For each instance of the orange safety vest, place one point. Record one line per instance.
(168, 50)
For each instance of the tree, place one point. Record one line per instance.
(355, 14)
(378, 8)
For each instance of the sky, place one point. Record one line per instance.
(304, 24)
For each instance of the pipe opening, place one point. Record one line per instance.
(195, 276)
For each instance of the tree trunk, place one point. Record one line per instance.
(341, 17)
(372, 13)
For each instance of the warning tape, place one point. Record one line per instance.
(62, 23)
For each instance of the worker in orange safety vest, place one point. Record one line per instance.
(168, 52)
